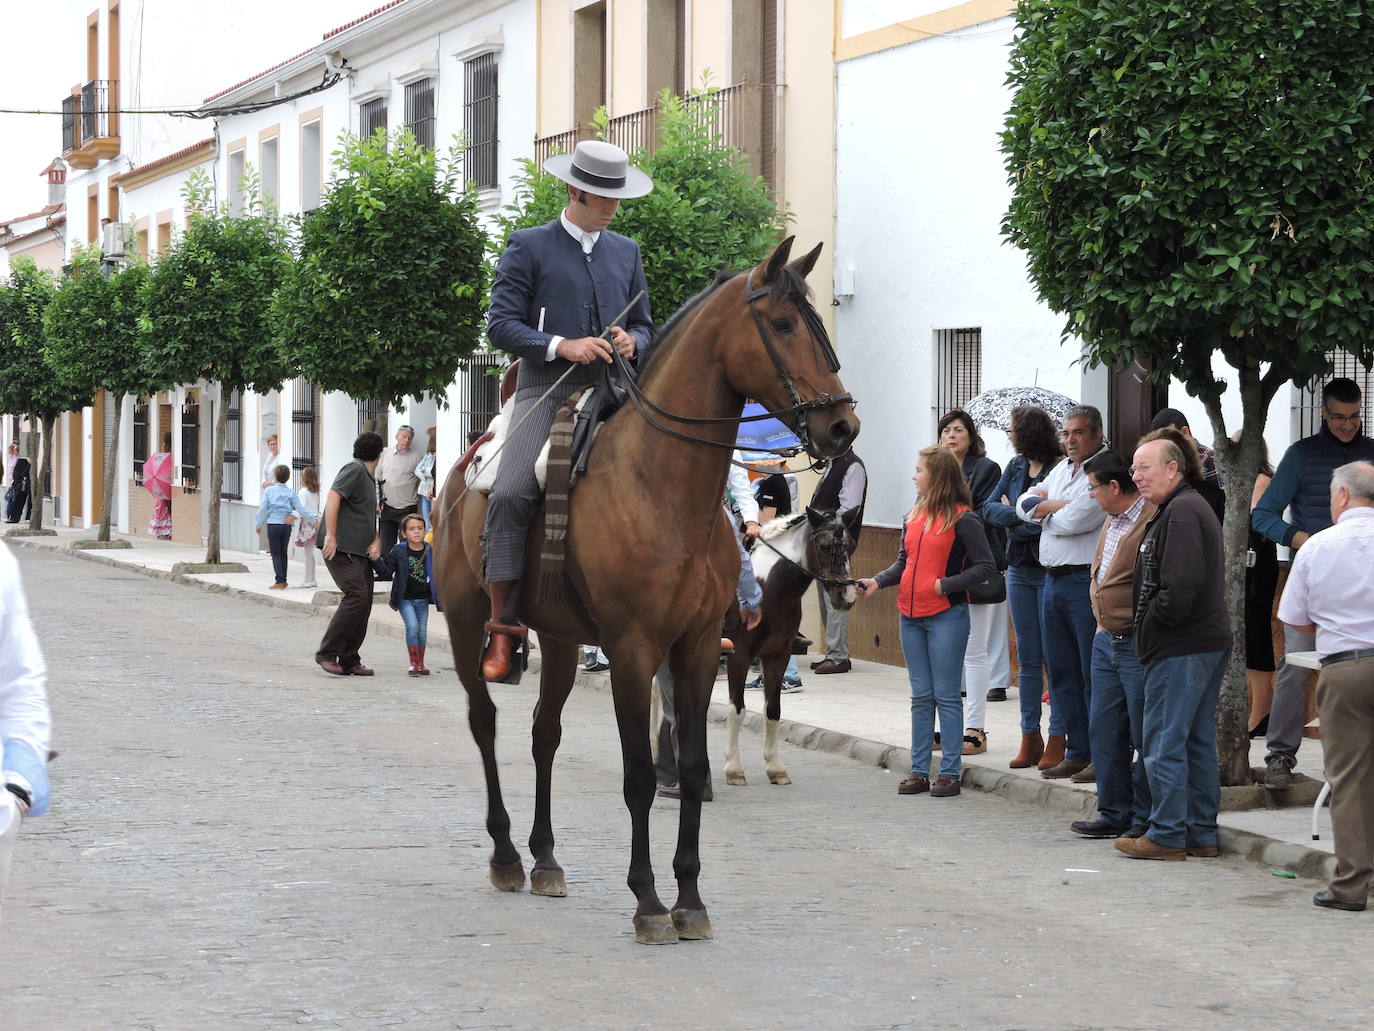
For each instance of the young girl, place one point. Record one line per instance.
(410, 564)
(309, 525)
(944, 552)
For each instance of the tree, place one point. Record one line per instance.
(92, 330)
(206, 314)
(385, 298)
(1191, 185)
(707, 211)
(30, 384)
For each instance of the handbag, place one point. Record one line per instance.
(992, 591)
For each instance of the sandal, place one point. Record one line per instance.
(936, 747)
(975, 742)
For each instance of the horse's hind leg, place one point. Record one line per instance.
(773, 670)
(557, 671)
(738, 669)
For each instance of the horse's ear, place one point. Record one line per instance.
(807, 262)
(778, 259)
(816, 518)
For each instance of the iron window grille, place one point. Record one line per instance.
(958, 368)
(420, 111)
(479, 121)
(1308, 405)
(372, 414)
(371, 117)
(95, 118)
(71, 113)
(481, 390)
(190, 446)
(232, 487)
(305, 424)
(140, 437)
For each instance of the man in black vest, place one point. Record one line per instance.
(843, 487)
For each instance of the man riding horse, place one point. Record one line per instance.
(555, 284)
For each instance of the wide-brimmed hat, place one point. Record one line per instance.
(600, 168)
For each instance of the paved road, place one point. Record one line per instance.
(241, 842)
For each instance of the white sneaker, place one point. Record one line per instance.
(310, 584)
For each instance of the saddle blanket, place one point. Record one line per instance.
(481, 474)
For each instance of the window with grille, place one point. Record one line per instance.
(479, 120)
(372, 415)
(1308, 406)
(232, 489)
(420, 111)
(481, 393)
(958, 368)
(140, 437)
(371, 117)
(305, 424)
(190, 446)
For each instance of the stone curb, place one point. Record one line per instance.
(1062, 799)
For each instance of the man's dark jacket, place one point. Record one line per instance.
(1180, 599)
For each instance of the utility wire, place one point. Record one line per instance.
(330, 79)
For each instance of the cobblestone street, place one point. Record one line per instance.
(239, 841)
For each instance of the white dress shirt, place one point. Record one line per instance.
(586, 241)
(742, 491)
(1069, 536)
(1331, 584)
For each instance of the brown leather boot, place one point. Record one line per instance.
(1032, 748)
(496, 659)
(420, 666)
(1054, 752)
(412, 672)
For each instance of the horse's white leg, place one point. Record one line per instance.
(777, 774)
(734, 769)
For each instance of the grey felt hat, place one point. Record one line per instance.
(600, 168)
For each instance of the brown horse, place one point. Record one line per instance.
(651, 562)
(787, 554)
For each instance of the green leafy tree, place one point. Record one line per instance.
(92, 330)
(206, 312)
(385, 298)
(30, 383)
(708, 211)
(1192, 186)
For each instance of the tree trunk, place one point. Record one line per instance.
(1239, 466)
(43, 486)
(35, 479)
(111, 465)
(221, 432)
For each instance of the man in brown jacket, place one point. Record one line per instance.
(1118, 689)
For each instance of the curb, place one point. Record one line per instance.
(1052, 796)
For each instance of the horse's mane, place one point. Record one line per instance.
(779, 527)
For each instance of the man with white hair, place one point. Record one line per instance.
(1183, 638)
(1330, 593)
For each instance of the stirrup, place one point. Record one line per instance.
(517, 630)
(520, 649)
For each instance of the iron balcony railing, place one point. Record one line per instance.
(95, 113)
(747, 115)
(71, 111)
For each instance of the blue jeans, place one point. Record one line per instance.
(415, 615)
(1116, 728)
(1181, 747)
(934, 650)
(278, 537)
(425, 505)
(1025, 588)
(1066, 613)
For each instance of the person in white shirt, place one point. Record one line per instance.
(1330, 593)
(25, 725)
(1069, 523)
(269, 465)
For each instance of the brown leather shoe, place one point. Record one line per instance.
(1087, 775)
(1032, 748)
(1144, 848)
(496, 659)
(330, 666)
(1054, 752)
(913, 784)
(831, 666)
(360, 671)
(801, 645)
(1204, 851)
(1064, 770)
(945, 787)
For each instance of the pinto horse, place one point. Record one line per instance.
(788, 555)
(647, 589)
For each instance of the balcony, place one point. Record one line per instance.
(747, 115)
(90, 126)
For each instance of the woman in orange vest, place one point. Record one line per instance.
(944, 553)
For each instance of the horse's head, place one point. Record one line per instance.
(829, 543)
(788, 363)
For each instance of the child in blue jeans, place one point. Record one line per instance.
(410, 565)
(279, 508)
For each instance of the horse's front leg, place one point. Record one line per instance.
(773, 670)
(558, 668)
(737, 670)
(694, 662)
(633, 662)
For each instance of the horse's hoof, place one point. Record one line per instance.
(692, 924)
(655, 929)
(737, 779)
(779, 778)
(508, 876)
(548, 881)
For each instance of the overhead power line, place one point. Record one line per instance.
(330, 79)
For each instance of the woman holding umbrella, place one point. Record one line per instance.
(157, 480)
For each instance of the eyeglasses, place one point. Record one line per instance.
(1092, 487)
(1333, 417)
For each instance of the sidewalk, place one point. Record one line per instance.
(863, 714)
